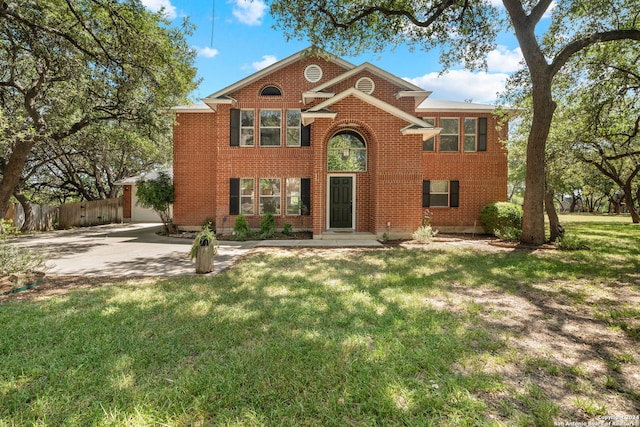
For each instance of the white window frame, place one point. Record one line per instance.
(457, 119)
(279, 127)
(467, 135)
(251, 197)
(293, 198)
(430, 121)
(295, 129)
(247, 130)
(275, 197)
(439, 193)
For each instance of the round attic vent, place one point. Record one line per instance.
(313, 73)
(366, 85)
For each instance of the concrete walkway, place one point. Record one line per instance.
(124, 250)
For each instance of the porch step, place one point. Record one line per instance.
(347, 235)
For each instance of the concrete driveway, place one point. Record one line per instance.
(123, 250)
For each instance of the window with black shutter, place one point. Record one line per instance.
(426, 194)
(305, 196)
(234, 127)
(482, 134)
(234, 196)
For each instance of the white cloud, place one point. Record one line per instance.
(503, 60)
(156, 5)
(461, 85)
(249, 12)
(206, 52)
(259, 65)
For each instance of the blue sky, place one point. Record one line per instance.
(244, 41)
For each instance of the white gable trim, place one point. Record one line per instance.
(275, 67)
(373, 69)
(373, 101)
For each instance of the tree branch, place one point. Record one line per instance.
(577, 45)
(435, 11)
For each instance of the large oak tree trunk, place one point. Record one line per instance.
(12, 172)
(29, 220)
(543, 107)
(631, 206)
(554, 222)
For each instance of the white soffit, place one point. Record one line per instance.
(437, 105)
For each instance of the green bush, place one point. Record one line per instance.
(509, 234)
(241, 225)
(499, 216)
(268, 226)
(287, 230)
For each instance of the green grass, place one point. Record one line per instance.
(358, 338)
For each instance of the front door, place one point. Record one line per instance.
(341, 202)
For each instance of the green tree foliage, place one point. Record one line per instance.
(73, 69)
(466, 31)
(158, 195)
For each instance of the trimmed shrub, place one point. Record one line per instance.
(501, 216)
(268, 226)
(241, 226)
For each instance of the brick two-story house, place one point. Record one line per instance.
(335, 148)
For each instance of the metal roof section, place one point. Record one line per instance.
(437, 105)
(154, 174)
(192, 108)
(426, 132)
(303, 54)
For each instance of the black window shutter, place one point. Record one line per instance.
(426, 194)
(305, 195)
(305, 136)
(482, 134)
(234, 196)
(454, 194)
(234, 127)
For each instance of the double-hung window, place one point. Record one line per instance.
(429, 144)
(270, 124)
(294, 200)
(440, 194)
(246, 196)
(293, 128)
(246, 128)
(470, 134)
(449, 136)
(270, 196)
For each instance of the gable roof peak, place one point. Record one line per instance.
(309, 52)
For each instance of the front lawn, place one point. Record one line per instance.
(440, 336)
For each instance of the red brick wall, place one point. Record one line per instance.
(389, 191)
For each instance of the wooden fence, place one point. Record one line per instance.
(44, 217)
(78, 214)
(107, 211)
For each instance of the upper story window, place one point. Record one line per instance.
(270, 91)
(347, 152)
(270, 123)
(246, 128)
(293, 128)
(450, 135)
(429, 144)
(470, 134)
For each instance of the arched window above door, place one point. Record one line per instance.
(347, 152)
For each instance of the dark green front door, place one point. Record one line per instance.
(341, 202)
